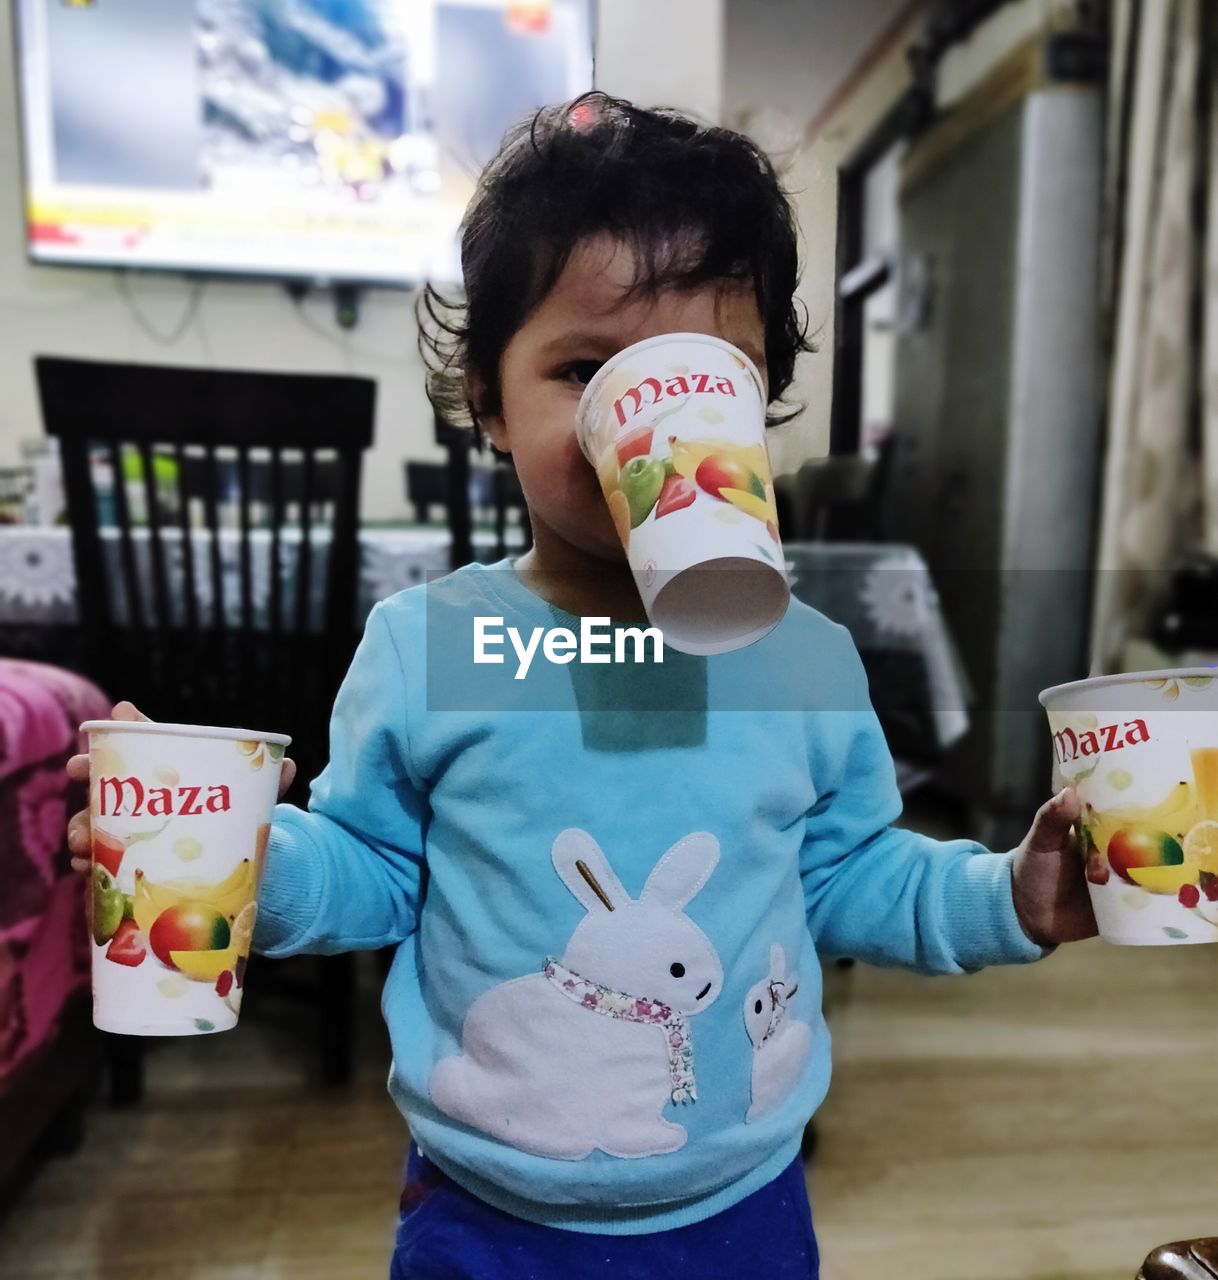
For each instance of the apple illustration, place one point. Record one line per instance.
(107, 906)
(676, 494)
(717, 472)
(642, 480)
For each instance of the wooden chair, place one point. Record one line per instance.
(462, 490)
(427, 489)
(827, 500)
(220, 481)
(318, 485)
(508, 499)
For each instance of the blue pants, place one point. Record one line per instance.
(448, 1234)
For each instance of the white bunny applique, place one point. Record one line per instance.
(585, 1054)
(781, 1044)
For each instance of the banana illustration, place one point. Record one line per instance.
(144, 910)
(688, 455)
(1176, 814)
(229, 896)
(749, 463)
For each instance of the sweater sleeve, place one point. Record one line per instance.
(346, 874)
(883, 894)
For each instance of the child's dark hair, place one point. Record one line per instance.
(696, 204)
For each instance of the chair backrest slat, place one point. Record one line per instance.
(304, 560)
(247, 586)
(460, 517)
(156, 550)
(93, 579)
(214, 440)
(343, 564)
(132, 590)
(211, 505)
(182, 506)
(276, 569)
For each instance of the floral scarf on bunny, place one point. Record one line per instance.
(779, 997)
(616, 1004)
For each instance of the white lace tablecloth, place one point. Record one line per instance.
(882, 593)
(38, 576)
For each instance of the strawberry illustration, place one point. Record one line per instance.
(128, 946)
(676, 494)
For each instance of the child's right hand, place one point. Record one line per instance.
(80, 836)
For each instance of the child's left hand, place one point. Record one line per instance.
(1049, 887)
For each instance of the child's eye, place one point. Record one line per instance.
(579, 372)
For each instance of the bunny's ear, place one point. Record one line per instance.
(586, 871)
(683, 870)
(778, 963)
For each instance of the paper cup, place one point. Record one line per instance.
(1142, 751)
(180, 816)
(675, 427)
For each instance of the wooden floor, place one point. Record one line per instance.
(1053, 1121)
(235, 1167)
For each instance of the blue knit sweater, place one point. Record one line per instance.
(610, 887)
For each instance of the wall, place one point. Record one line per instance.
(63, 311)
(667, 53)
(968, 62)
(809, 81)
(784, 70)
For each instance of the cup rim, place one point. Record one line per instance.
(603, 372)
(1126, 677)
(184, 730)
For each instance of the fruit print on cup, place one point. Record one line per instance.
(1142, 752)
(181, 819)
(675, 429)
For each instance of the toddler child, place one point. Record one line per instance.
(610, 888)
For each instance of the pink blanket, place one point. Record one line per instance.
(44, 953)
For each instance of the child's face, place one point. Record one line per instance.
(587, 317)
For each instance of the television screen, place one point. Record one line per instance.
(326, 140)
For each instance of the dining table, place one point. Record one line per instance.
(881, 592)
(38, 574)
